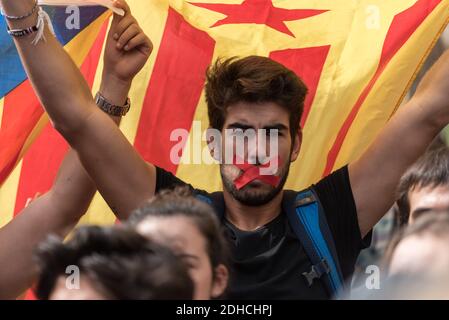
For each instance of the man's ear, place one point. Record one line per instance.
(297, 142)
(220, 281)
(213, 139)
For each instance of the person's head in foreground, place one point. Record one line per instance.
(249, 95)
(110, 264)
(424, 187)
(191, 229)
(417, 260)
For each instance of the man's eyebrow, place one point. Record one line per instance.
(420, 211)
(276, 126)
(239, 125)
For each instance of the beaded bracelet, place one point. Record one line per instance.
(29, 14)
(18, 33)
(42, 18)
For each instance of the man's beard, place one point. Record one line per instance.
(255, 198)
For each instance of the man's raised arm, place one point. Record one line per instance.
(124, 179)
(375, 176)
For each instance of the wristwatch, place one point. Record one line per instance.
(109, 108)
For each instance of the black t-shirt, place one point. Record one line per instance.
(268, 263)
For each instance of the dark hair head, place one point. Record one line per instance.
(432, 224)
(431, 170)
(253, 79)
(181, 202)
(120, 263)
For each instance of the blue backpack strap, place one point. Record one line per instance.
(308, 221)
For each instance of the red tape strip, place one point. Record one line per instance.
(252, 172)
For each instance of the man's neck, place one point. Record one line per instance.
(249, 218)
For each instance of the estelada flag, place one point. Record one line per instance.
(358, 59)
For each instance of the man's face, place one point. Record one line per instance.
(264, 119)
(422, 200)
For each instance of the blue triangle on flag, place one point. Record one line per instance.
(12, 73)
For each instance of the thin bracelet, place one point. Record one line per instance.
(29, 14)
(18, 33)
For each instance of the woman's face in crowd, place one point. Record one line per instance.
(181, 235)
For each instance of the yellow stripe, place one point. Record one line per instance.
(6, 213)
(434, 42)
(98, 73)
(99, 213)
(80, 46)
(352, 62)
(151, 16)
(392, 86)
(8, 193)
(40, 125)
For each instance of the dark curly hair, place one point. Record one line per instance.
(253, 79)
(120, 263)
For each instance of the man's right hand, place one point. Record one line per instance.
(126, 52)
(127, 47)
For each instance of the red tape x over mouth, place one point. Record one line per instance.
(252, 172)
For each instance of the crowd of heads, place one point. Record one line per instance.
(173, 246)
(114, 263)
(415, 262)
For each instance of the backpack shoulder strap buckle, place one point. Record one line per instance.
(317, 271)
(308, 221)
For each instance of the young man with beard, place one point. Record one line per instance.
(250, 93)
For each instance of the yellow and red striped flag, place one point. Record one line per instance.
(357, 57)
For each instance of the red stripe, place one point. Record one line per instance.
(42, 161)
(21, 112)
(174, 90)
(40, 166)
(308, 64)
(401, 29)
